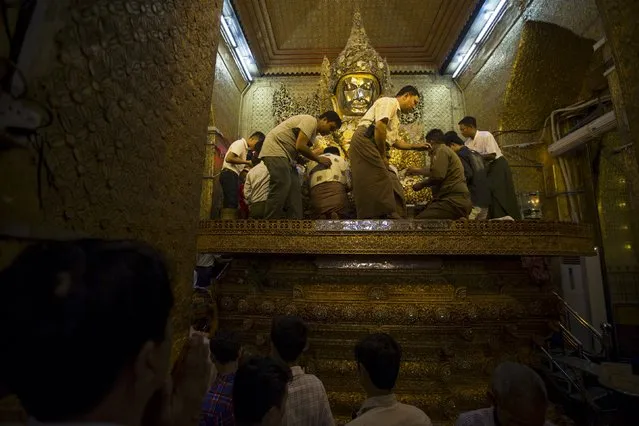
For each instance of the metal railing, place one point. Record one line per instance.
(575, 385)
(602, 338)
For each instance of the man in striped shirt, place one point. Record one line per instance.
(217, 406)
(307, 403)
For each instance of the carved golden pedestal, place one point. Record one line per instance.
(459, 297)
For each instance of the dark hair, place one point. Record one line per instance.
(453, 139)
(260, 137)
(332, 150)
(225, 347)
(435, 135)
(332, 117)
(77, 313)
(260, 384)
(380, 355)
(468, 121)
(411, 90)
(255, 155)
(289, 334)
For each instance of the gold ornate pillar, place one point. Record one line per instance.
(129, 85)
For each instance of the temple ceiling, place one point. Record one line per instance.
(293, 36)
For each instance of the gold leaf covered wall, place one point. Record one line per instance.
(129, 85)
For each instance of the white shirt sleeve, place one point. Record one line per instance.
(385, 108)
(236, 148)
(248, 190)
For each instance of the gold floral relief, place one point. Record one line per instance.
(456, 318)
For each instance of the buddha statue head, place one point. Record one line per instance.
(355, 93)
(358, 76)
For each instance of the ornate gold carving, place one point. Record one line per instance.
(286, 106)
(359, 56)
(388, 237)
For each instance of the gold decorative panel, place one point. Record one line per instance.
(291, 36)
(455, 317)
(395, 237)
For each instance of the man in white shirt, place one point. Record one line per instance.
(282, 145)
(373, 188)
(378, 357)
(518, 396)
(503, 201)
(235, 162)
(256, 190)
(329, 187)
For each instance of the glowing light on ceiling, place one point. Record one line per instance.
(234, 37)
(485, 20)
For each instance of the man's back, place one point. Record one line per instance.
(217, 406)
(257, 184)
(338, 172)
(281, 140)
(307, 403)
(477, 182)
(481, 417)
(447, 166)
(387, 411)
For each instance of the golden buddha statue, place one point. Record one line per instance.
(350, 86)
(355, 93)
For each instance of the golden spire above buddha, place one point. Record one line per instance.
(357, 76)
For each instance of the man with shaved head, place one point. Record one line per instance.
(518, 397)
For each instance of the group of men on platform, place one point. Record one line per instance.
(469, 179)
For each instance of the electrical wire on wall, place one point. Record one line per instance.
(24, 116)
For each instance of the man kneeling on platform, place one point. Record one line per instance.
(451, 198)
(330, 186)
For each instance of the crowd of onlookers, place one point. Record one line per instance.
(275, 390)
(86, 339)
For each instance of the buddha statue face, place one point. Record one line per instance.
(356, 93)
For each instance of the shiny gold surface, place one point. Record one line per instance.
(455, 317)
(356, 93)
(395, 237)
(358, 56)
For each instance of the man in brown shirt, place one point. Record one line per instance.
(451, 198)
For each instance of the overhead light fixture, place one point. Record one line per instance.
(227, 33)
(485, 20)
(234, 37)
